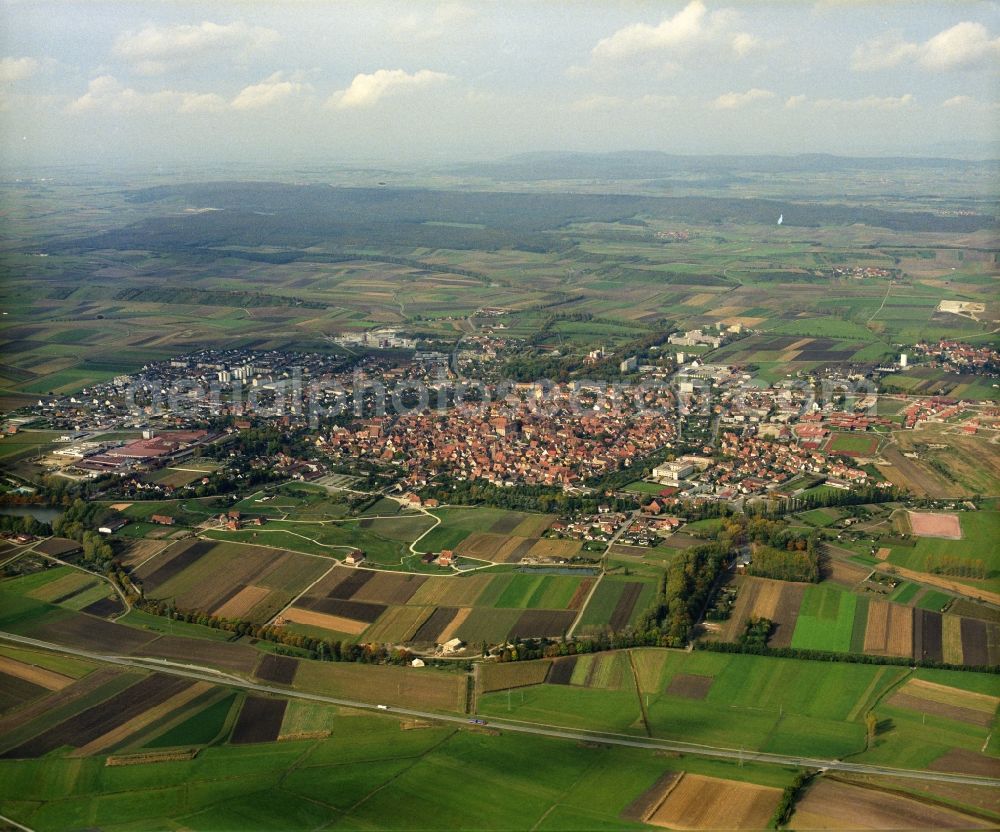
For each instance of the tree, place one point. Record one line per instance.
(871, 726)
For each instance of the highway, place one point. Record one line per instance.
(217, 677)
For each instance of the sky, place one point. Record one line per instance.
(395, 83)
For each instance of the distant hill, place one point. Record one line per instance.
(653, 164)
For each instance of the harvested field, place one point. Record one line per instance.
(970, 609)
(927, 706)
(506, 675)
(259, 720)
(135, 552)
(242, 602)
(40, 676)
(15, 692)
(545, 549)
(507, 522)
(935, 524)
(430, 631)
(399, 624)
(680, 540)
(297, 615)
(963, 761)
(580, 596)
(845, 573)
(890, 629)
(451, 592)
(171, 562)
(275, 668)
(92, 634)
(346, 587)
(389, 588)
(339, 608)
(561, 671)
(534, 525)
(951, 639)
(883, 553)
(698, 802)
(514, 550)
(933, 691)
(143, 720)
(486, 545)
(98, 720)
(626, 604)
(832, 804)
(975, 650)
(551, 623)
(927, 643)
(57, 546)
(647, 802)
(777, 601)
(448, 633)
(90, 683)
(64, 587)
(492, 626)
(425, 688)
(221, 654)
(608, 671)
(109, 607)
(331, 580)
(689, 686)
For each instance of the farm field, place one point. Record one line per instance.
(778, 705)
(229, 580)
(978, 529)
(832, 803)
(370, 605)
(353, 756)
(830, 617)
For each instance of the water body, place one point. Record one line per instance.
(43, 514)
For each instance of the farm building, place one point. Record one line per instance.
(111, 526)
(446, 558)
(162, 519)
(354, 557)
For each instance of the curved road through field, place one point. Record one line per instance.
(207, 675)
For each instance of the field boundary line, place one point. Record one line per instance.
(291, 603)
(114, 586)
(638, 692)
(583, 607)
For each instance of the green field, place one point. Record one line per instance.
(776, 705)
(358, 778)
(980, 531)
(826, 620)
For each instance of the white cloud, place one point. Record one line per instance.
(156, 49)
(960, 101)
(965, 45)
(691, 26)
(268, 92)
(794, 101)
(366, 89)
(871, 102)
(106, 93)
(734, 100)
(883, 52)
(17, 69)
(421, 26)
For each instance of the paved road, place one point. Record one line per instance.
(209, 675)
